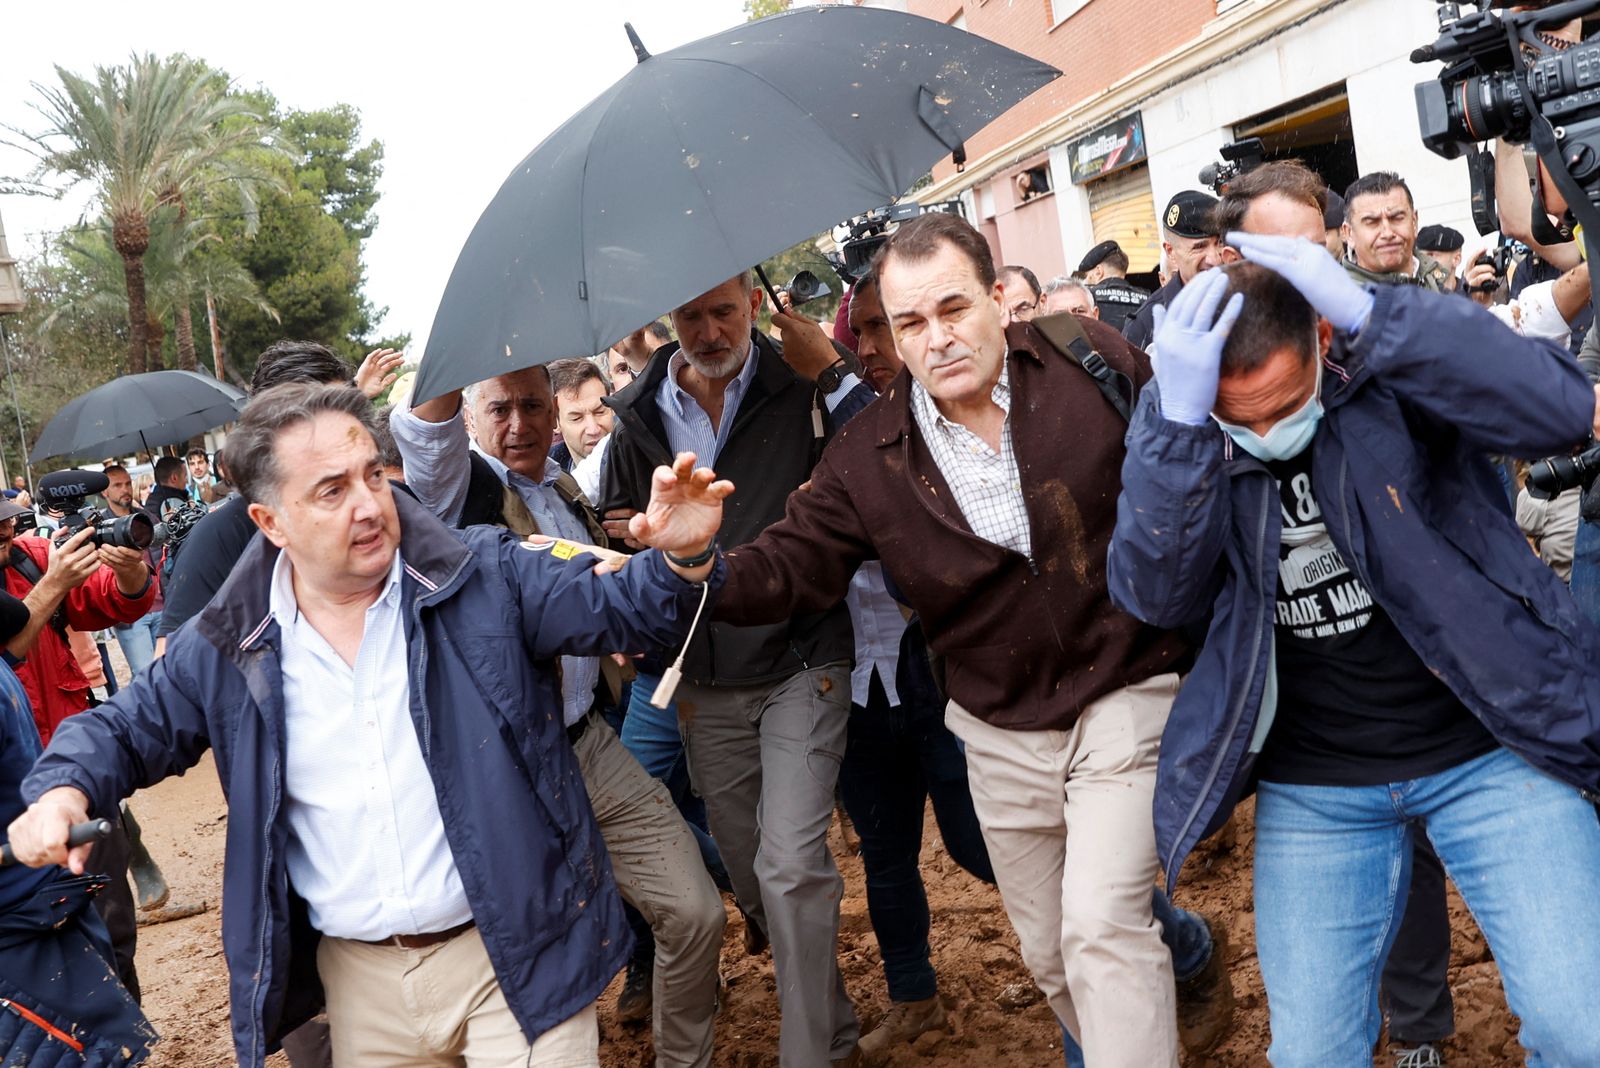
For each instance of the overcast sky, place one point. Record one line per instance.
(458, 93)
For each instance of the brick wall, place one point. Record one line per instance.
(1100, 44)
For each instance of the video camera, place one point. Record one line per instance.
(64, 492)
(867, 233)
(1241, 157)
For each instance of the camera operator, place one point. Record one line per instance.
(137, 639)
(1384, 654)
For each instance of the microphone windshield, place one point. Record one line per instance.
(63, 487)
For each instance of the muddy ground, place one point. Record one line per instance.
(973, 949)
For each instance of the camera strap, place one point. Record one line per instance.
(25, 566)
(1578, 202)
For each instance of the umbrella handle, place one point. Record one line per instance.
(767, 285)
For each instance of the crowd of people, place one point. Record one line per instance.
(512, 689)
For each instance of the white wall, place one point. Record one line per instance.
(1364, 43)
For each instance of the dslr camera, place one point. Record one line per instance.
(66, 493)
(1548, 478)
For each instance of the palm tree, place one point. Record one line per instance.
(146, 135)
(181, 261)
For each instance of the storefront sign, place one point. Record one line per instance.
(1109, 149)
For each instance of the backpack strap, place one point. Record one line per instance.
(568, 490)
(1065, 333)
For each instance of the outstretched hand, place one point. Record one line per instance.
(1320, 278)
(379, 371)
(1189, 336)
(685, 509)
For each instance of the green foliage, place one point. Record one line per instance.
(154, 133)
(782, 268)
(306, 255)
(760, 9)
(82, 347)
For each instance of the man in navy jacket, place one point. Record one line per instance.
(407, 822)
(1383, 655)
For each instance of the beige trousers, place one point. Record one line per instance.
(1067, 819)
(390, 1007)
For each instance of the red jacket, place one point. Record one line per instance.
(50, 674)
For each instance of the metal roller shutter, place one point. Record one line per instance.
(1123, 209)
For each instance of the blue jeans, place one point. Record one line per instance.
(1585, 582)
(138, 641)
(1332, 868)
(896, 759)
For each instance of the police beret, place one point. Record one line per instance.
(1188, 214)
(1097, 255)
(1439, 239)
(1333, 214)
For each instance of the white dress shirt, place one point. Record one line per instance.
(879, 625)
(367, 848)
(986, 485)
(437, 469)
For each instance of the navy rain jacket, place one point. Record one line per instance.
(485, 619)
(1431, 384)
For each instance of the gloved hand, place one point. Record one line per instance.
(1318, 276)
(1188, 341)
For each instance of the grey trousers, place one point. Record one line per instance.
(766, 760)
(657, 865)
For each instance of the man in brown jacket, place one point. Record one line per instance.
(986, 479)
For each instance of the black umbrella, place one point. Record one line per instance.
(138, 412)
(701, 162)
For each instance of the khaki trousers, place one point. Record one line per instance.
(1067, 819)
(390, 1007)
(658, 869)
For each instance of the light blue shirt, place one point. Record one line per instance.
(438, 466)
(367, 847)
(879, 625)
(688, 426)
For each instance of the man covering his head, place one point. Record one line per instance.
(1383, 655)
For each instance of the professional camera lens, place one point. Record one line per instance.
(134, 531)
(1474, 109)
(1547, 478)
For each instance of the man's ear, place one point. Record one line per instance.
(1324, 336)
(267, 520)
(1231, 255)
(1094, 311)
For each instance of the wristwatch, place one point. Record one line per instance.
(829, 378)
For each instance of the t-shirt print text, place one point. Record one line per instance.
(1318, 597)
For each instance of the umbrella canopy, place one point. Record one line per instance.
(701, 162)
(138, 412)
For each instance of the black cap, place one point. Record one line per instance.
(1438, 238)
(1188, 214)
(1097, 255)
(1333, 214)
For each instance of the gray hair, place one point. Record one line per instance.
(469, 394)
(1061, 283)
(253, 443)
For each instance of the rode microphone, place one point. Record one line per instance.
(63, 488)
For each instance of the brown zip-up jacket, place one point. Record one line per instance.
(1028, 644)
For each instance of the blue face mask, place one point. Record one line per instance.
(1288, 437)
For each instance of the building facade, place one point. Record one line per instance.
(1152, 89)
